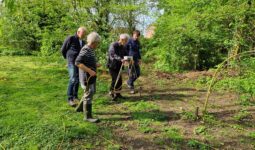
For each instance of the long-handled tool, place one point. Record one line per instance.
(128, 59)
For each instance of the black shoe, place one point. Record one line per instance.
(120, 96)
(71, 103)
(114, 98)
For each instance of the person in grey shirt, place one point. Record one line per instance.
(87, 64)
(116, 53)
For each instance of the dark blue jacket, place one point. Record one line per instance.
(134, 49)
(71, 48)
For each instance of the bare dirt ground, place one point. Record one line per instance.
(173, 124)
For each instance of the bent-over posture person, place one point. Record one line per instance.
(70, 50)
(87, 63)
(116, 54)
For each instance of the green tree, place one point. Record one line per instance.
(199, 34)
(43, 25)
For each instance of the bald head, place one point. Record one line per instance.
(81, 32)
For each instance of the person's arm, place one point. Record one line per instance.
(139, 50)
(86, 69)
(66, 46)
(139, 53)
(82, 79)
(127, 49)
(128, 46)
(112, 54)
(79, 62)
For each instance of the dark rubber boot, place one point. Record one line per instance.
(87, 109)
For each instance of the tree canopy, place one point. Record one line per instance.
(190, 34)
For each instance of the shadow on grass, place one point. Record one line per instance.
(164, 96)
(151, 115)
(228, 117)
(153, 90)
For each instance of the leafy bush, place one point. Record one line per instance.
(43, 25)
(199, 34)
(244, 83)
(5, 51)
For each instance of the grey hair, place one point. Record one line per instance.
(93, 37)
(124, 36)
(82, 29)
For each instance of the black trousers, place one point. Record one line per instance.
(114, 74)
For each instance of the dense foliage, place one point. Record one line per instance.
(193, 34)
(198, 34)
(42, 25)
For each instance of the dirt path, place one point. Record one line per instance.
(176, 97)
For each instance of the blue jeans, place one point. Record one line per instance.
(133, 73)
(73, 85)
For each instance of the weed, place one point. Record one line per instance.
(144, 126)
(173, 134)
(188, 116)
(198, 145)
(242, 115)
(209, 119)
(200, 130)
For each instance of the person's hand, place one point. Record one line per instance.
(99, 65)
(92, 73)
(132, 62)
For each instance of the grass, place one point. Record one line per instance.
(174, 134)
(194, 144)
(34, 113)
(200, 130)
(242, 115)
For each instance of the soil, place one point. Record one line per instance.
(174, 95)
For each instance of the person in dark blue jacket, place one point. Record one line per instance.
(135, 51)
(70, 50)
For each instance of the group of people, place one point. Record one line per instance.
(82, 67)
